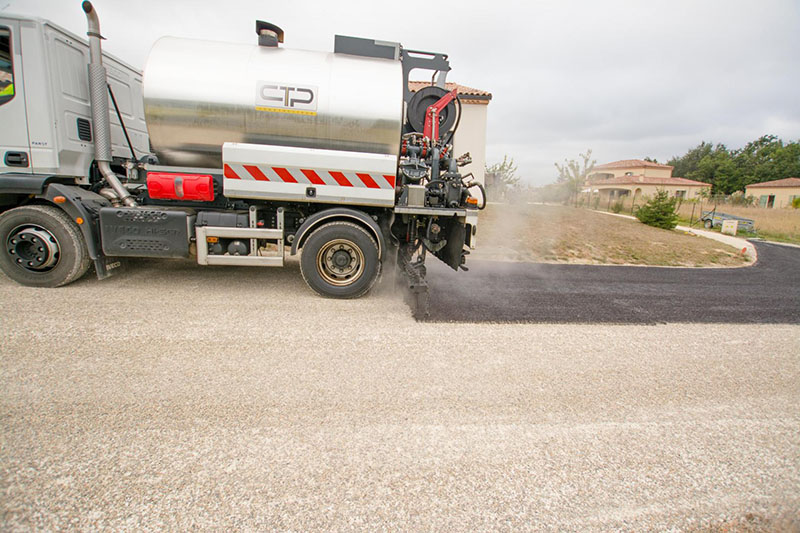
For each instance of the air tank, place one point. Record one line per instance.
(200, 94)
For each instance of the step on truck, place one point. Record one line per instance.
(232, 154)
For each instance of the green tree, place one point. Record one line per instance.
(501, 177)
(767, 158)
(717, 168)
(764, 159)
(572, 174)
(687, 163)
(659, 211)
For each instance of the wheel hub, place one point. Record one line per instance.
(33, 248)
(340, 262)
(341, 259)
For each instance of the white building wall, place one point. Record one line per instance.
(471, 137)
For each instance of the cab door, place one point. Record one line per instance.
(15, 150)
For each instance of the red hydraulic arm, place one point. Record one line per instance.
(431, 130)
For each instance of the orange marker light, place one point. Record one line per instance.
(79, 220)
(59, 199)
(212, 239)
(472, 201)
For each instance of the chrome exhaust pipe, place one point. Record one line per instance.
(98, 94)
(109, 195)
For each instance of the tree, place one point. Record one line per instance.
(767, 158)
(659, 211)
(718, 168)
(501, 177)
(764, 159)
(573, 173)
(687, 163)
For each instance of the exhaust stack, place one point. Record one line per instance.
(98, 94)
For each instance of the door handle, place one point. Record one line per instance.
(16, 159)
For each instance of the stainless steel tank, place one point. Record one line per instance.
(200, 94)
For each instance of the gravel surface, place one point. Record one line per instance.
(177, 397)
(767, 292)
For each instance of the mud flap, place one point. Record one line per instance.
(105, 267)
(453, 253)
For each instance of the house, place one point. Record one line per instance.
(638, 179)
(630, 167)
(471, 134)
(776, 193)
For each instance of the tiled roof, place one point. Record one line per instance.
(785, 182)
(631, 163)
(648, 180)
(469, 93)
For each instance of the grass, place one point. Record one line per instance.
(781, 225)
(560, 234)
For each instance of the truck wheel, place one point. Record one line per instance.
(42, 247)
(708, 224)
(340, 260)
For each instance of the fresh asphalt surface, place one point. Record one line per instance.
(767, 292)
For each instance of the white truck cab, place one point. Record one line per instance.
(44, 101)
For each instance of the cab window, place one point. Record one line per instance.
(6, 67)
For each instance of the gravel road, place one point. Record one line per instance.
(767, 292)
(177, 397)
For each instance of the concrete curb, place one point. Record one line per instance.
(737, 242)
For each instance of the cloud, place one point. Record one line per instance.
(625, 78)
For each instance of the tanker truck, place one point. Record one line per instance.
(231, 154)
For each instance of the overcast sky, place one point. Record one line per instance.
(627, 79)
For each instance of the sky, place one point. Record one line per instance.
(626, 79)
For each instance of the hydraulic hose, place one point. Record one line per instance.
(452, 132)
(479, 185)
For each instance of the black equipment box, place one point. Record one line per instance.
(142, 232)
(221, 218)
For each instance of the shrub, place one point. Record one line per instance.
(796, 203)
(659, 212)
(738, 198)
(617, 206)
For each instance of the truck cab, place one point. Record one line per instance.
(45, 107)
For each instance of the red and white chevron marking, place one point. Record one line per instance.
(306, 176)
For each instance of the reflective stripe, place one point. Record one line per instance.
(240, 171)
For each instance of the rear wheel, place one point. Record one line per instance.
(708, 224)
(42, 247)
(340, 260)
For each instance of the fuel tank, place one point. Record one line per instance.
(201, 94)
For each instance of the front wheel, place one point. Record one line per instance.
(340, 260)
(708, 224)
(42, 247)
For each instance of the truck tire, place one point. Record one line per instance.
(42, 247)
(340, 260)
(708, 224)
